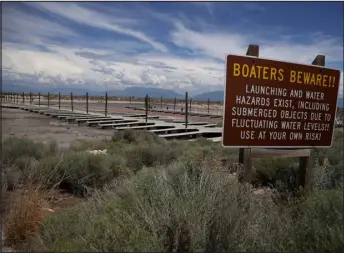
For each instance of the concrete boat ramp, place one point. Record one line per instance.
(165, 128)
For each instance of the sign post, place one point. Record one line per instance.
(278, 105)
(59, 100)
(146, 106)
(86, 102)
(208, 105)
(186, 110)
(71, 101)
(106, 103)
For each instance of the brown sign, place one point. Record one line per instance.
(274, 104)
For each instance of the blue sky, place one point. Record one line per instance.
(172, 45)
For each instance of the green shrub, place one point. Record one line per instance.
(181, 207)
(14, 148)
(83, 145)
(334, 154)
(140, 155)
(86, 169)
(319, 225)
(48, 172)
(137, 137)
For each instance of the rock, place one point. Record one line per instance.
(97, 152)
(259, 192)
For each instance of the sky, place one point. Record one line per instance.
(171, 45)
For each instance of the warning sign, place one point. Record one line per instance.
(278, 104)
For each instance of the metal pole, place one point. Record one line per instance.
(59, 100)
(71, 101)
(146, 106)
(39, 99)
(106, 101)
(186, 110)
(87, 102)
(208, 104)
(48, 99)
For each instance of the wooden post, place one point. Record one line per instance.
(306, 156)
(59, 100)
(161, 103)
(39, 99)
(30, 98)
(186, 110)
(130, 101)
(86, 102)
(71, 101)
(23, 98)
(174, 104)
(17, 98)
(106, 105)
(244, 154)
(146, 106)
(48, 99)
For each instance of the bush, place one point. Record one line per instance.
(14, 148)
(28, 208)
(85, 169)
(137, 137)
(334, 154)
(319, 224)
(182, 207)
(140, 155)
(83, 145)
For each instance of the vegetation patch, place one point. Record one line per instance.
(149, 194)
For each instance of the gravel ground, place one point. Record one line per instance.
(41, 128)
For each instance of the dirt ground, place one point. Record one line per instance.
(41, 128)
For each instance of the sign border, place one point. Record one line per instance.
(275, 147)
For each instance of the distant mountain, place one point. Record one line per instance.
(138, 92)
(141, 92)
(213, 96)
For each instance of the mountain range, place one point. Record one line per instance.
(134, 91)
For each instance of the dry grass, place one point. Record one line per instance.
(28, 209)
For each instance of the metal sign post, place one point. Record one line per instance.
(186, 110)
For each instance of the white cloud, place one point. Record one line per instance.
(92, 18)
(103, 64)
(25, 28)
(218, 45)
